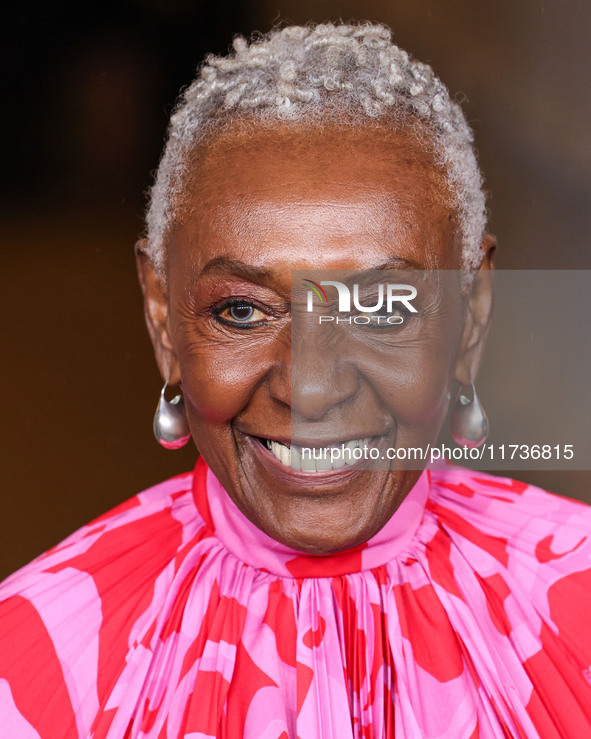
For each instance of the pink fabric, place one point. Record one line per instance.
(172, 616)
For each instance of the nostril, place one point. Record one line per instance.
(316, 393)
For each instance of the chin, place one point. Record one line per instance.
(324, 539)
(325, 519)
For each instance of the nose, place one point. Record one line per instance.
(318, 385)
(317, 376)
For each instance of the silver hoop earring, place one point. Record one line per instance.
(171, 427)
(468, 423)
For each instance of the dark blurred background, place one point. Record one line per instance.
(87, 91)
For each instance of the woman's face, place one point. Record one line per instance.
(260, 206)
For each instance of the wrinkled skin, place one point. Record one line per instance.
(257, 207)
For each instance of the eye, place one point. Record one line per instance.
(399, 312)
(383, 319)
(240, 313)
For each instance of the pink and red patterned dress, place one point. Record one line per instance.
(468, 615)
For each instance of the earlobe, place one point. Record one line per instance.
(141, 257)
(478, 315)
(488, 248)
(156, 315)
(470, 353)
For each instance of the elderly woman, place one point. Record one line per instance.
(260, 595)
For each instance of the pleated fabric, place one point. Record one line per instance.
(467, 616)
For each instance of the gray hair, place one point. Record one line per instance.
(319, 72)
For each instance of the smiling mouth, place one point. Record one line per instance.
(317, 459)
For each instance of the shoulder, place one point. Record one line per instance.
(151, 519)
(80, 604)
(518, 505)
(522, 558)
(538, 535)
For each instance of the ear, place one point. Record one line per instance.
(478, 315)
(156, 313)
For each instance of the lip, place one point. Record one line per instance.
(318, 442)
(299, 477)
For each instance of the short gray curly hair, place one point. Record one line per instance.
(319, 72)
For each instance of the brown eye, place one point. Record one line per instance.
(241, 313)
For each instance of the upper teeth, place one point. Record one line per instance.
(317, 459)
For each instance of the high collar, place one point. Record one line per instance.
(253, 547)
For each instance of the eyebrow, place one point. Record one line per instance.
(238, 268)
(398, 263)
(261, 274)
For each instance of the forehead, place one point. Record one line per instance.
(275, 185)
(371, 157)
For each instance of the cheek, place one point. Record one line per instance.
(423, 394)
(218, 382)
(413, 383)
